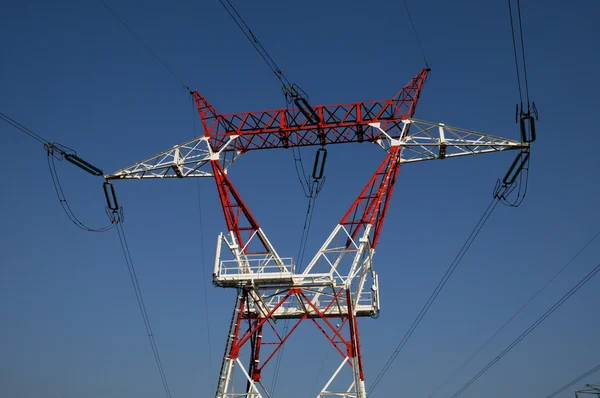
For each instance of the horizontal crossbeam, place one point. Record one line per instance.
(423, 141)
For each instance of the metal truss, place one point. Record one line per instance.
(226, 136)
(593, 389)
(257, 333)
(339, 284)
(190, 159)
(322, 125)
(430, 141)
(423, 141)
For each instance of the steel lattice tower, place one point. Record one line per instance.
(339, 284)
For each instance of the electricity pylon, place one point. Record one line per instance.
(339, 284)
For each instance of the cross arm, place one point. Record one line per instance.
(430, 141)
(421, 141)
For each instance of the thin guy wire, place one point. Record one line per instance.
(416, 34)
(483, 219)
(145, 45)
(512, 29)
(319, 373)
(24, 129)
(142, 306)
(207, 318)
(530, 329)
(517, 313)
(577, 380)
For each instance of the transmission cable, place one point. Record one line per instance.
(63, 200)
(530, 329)
(577, 380)
(24, 129)
(145, 45)
(453, 265)
(60, 152)
(141, 304)
(264, 54)
(516, 313)
(530, 105)
(292, 92)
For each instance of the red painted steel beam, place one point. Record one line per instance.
(284, 128)
(371, 204)
(238, 217)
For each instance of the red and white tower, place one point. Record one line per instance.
(339, 285)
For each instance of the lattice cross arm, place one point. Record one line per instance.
(430, 141)
(190, 159)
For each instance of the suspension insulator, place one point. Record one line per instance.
(309, 113)
(527, 125)
(111, 196)
(319, 166)
(82, 164)
(516, 168)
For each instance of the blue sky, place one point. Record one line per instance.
(72, 73)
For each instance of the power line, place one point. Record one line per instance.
(577, 380)
(59, 152)
(264, 54)
(145, 45)
(63, 199)
(512, 30)
(292, 92)
(142, 305)
(523, 58)
(530, 329)
(516, 313)
(523, 53)
(459, 256)
(24, 129)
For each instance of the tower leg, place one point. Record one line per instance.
(357, 368)
(230, 354)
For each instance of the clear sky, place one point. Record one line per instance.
(70, 326)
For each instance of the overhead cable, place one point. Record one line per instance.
(577, 380)
(530, 329)
(453, 265)
(65, 204)
(516, 313)
(292, 92)
(24, 129)
(60, 152)
(142, 305)
(530, 106)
